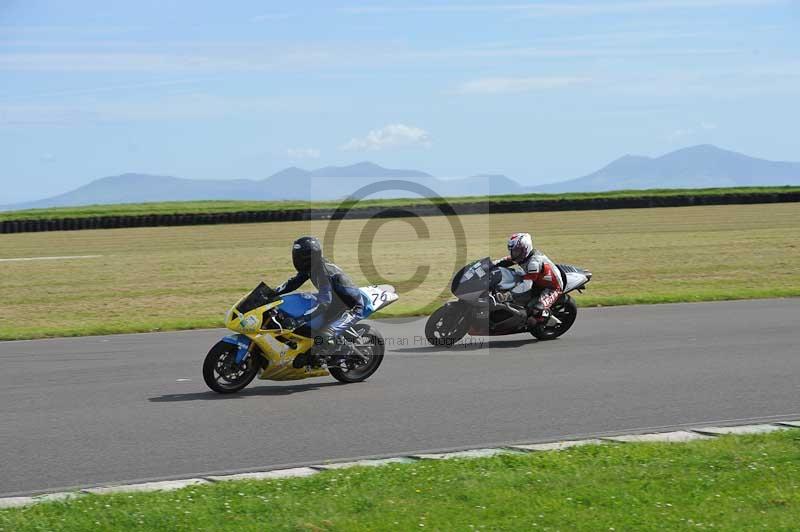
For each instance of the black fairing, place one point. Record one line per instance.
(476, 284)
(506, 319)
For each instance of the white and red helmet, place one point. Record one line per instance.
(520, 247)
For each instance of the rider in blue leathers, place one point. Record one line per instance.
(339, 300)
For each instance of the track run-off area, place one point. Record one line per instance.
(86, 411)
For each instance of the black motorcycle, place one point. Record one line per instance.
(493, 300)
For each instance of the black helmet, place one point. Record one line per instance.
(306, 252)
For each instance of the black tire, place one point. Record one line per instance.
(565, 310)
(221, 373)
(370, 339)
(447, 325)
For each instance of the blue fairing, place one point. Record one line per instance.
(369, 308)
(242, 342)
(295, 305)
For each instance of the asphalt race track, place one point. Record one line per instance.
(88, 411)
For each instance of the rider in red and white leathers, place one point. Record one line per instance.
(539, 269)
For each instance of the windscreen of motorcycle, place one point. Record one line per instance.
(260, 296)
(474, 280)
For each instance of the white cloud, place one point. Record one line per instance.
(40, 115)
(114, 88)
(236, 57)
(679, 134)
(391, 136)
(511, 85)
(303, 153)
(563, 8)
(184, 106)
(596, 8)
(218, 57)
(693, 131)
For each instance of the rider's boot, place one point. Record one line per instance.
(537, 314)
(539, 318)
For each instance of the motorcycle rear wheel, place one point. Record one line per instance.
(369, 344)
(566, 311)
(446, 326)
(221, 372)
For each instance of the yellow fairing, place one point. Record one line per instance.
(279, 355)
(281, 358)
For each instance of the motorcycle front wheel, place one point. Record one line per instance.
(447, 325)
(221, 372)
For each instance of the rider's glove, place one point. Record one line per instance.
(503, 297)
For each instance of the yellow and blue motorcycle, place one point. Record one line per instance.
(269, 343)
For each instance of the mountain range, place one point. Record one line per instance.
(703, 166)
(694, 167)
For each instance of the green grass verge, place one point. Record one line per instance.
(210, 207)
(730, 483)
(170, 278)
(137, 325)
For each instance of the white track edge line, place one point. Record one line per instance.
(300, 472)
(64, 257)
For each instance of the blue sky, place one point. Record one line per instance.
(539, 91)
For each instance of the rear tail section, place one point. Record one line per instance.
(574, 278)
(376, 297)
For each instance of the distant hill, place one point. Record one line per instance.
(358, 170)
(701, 166)
(328, 183)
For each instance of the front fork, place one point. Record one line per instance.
(244, 346)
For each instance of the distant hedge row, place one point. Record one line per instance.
(483, 207)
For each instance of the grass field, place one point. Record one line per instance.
(185, 277)
(208, 207)
(731, 483)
